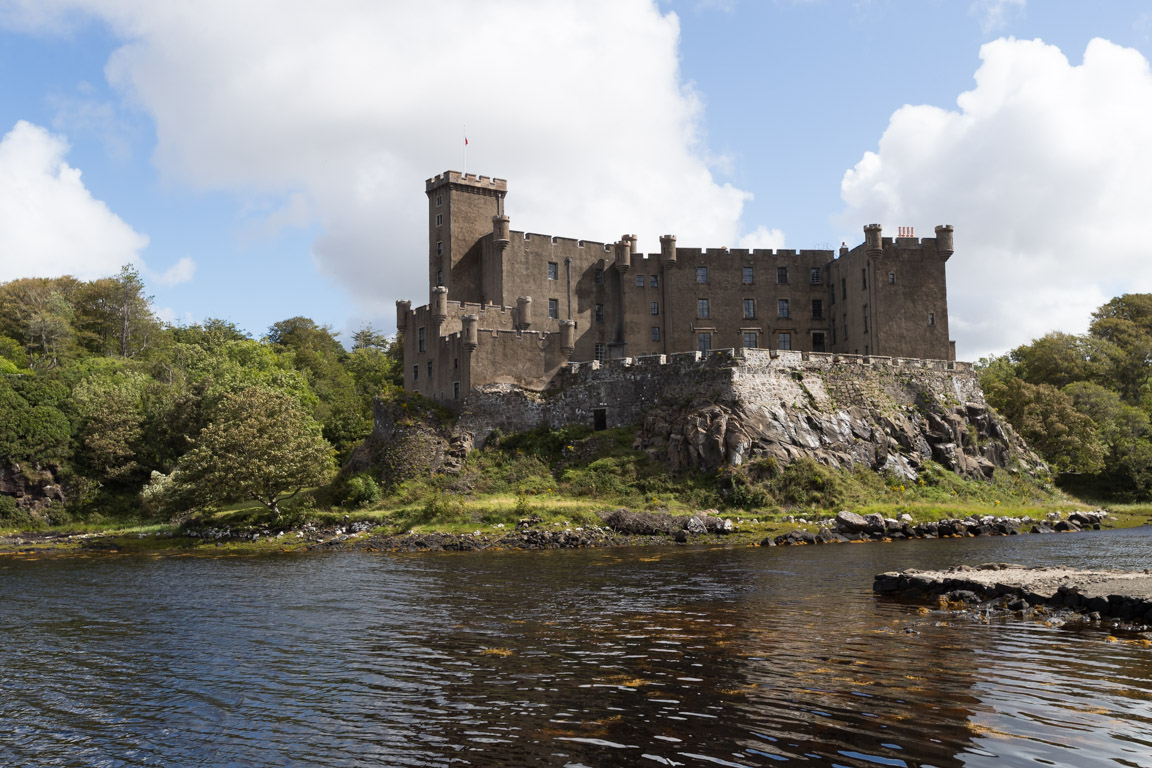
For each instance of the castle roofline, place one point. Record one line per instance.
(465, 179)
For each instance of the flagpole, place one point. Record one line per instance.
(465, 149)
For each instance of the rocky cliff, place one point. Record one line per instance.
(887, 418)
(729, 407)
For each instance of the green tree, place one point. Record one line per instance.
(1048, 420)
(114, 316)
(260, 446)
(32, 425)
(1124, 430)
(1059, 359)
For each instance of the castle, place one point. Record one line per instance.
(510, 307)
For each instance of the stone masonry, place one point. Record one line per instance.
(514, 308)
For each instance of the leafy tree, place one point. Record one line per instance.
(111, 419)
(1059, 359)
(1131, 362)
(259, 446)
(1124, 430)
(32, 426)
(317, 353)
(114, 316)
(1049, 421)
(38, 313)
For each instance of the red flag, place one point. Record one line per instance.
(465, 141)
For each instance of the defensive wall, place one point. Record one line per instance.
(617, 393)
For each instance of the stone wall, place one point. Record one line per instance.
(731, 406)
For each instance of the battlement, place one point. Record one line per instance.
(558, 240)
(750, 361)
(472, 180)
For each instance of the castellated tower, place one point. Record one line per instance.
(461, 210)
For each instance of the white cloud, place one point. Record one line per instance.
(342, 110)
(180, 272)
(762, 237)
(1043, 170)
(995, 15)
(51, 223)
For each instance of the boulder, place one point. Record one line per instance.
(850, 522)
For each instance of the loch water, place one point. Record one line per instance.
(669, 656)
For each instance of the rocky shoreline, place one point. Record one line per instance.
(1000, 589)
(851, 527)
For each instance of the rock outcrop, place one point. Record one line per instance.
(890, 421)
(34, 487)
(409, 439)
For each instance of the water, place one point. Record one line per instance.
(672, 656)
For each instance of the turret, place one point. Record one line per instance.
(668, 250)
(873, 243)
(567, 337)
(403, 307)
(439, 305)
(944, 240)
(500, 231)
(624, 254)
(524, 311)
(471, 337)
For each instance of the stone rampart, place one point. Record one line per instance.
(731, 406)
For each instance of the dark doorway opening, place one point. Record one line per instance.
(600, 419)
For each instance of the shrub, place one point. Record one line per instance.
(357, 491)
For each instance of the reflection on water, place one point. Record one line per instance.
(684, 656)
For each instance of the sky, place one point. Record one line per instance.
(264, 159)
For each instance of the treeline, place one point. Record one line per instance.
(1084, 401)
(97, 390)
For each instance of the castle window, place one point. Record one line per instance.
(814, 276)
(931, 318)
(749, 309)
(455, 362)
(439, 247)
(553, 308)
(655, 333)
(553, 270)
(421, 343)
(781, 274)
(455, 390)
(817, 309)
(415, 373)
(704, 342)
(429, 369)
(639, 281)
(654, 307)
(782, 308)
(601, 352)
(702, 310)
(599, 313)
(817, 342)
(865, 318)
(891, 278)
(439, 200)
(599, 275)
(864, 279)
(845, 327)
(439, 277)
(749, 339)
(654, 281)
(783, 341)
(844, 288)
(439, 220)
(702, 274)
(748, 275)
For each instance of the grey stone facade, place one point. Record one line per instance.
(515, 308)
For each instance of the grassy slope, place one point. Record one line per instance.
(565, 477)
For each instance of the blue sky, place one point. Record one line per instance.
(266, 159)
